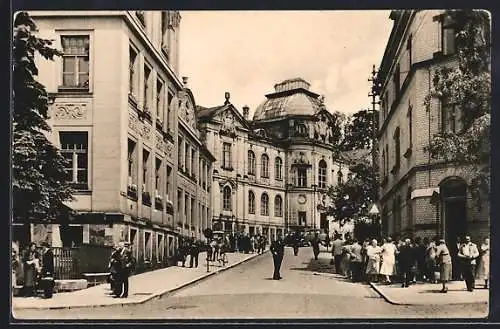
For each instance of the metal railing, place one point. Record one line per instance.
(66, 265)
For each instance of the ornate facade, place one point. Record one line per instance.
(119, 112)
(272, 172)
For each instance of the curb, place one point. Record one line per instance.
(148, 298)
(393, 302)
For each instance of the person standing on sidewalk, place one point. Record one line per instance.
(337, 244)
(484, 264)
(373, 265)
(295, 242)
(406, 261)
(468, 253)
(194, 252)
(126, 268)
(277, 250)
(444, 260)
(114, 271)
(47, 272)
(315, 245)
(388, 260)
(356, 260)
(430, 260)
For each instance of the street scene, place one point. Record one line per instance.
(252, 172)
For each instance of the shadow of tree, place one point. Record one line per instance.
(321, 266)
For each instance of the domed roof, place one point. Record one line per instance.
(291, 97)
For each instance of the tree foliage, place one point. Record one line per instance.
(359, 130)
(39, 187)
(467, 85)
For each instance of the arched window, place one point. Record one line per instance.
(226, 198)
(264, 205)
(251, 203)
(264, 161)
(278, 164)
(251, 163)
(278, 206)
(322, 174)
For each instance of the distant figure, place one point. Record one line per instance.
(443, 257)
(31, 267)
(388, 260)
(126, 268)
(337, 244)
(373, 265)
(315, 246)
(277, 250)
(406, 261)
(194, 252)
(484, 264)
(468, 253)
(431, 261)
(114, 270)
(356, 260)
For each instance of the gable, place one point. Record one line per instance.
(230, 120)
(186, 108)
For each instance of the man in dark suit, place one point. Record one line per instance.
(315, 245)
(114, 270)
(127, 266)
(277, 250)
(194, 251)
(406, 261)
(47, 273)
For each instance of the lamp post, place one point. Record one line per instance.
(314, 186)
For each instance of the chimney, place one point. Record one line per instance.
(246, 111)
(227, 95)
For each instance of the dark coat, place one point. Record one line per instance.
(406, 257)
(127, 262)
(278, 248)
(48, 263)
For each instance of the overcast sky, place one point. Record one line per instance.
(247, 52)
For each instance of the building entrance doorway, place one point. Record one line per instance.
(453, 192)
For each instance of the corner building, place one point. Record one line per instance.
(115, 103)
(272, 171)
(420, 196)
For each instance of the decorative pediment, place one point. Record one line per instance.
(186, 108)
(227, 181)
(301, 159)
(228, 123)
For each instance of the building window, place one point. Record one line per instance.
(169, 183)
(132, 162)
(193, 162)
(397, 148)
(160, 247)
(158, 176)
(75, 61)
(302, 218)
(74, 148)
(179, 207)
(278, 206)
(264, 205)
(226, 198)
(409, 49)
(251, 163)
(340, 177)
(450, 118)
(148, 246)
(169, 109)
(264, 162)
(187, 160)
(448, 35)
(278, 168)
(397, 81)
(179, 152)
(159, 99)
(409, 209)
(145, 171)
(251, 203)
(132, 71)
(410, 126)
(226, 156)
(322, 174)
(301, 177)
(147, 74)
(141, 16)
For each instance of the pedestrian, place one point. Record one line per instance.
(345, 262)
(356, 259)
(194, 252)
(483, 272)
(443, 257)
(388, 255)
(31, 267)
(457, 262)
(431, 261)
(406, 261)
(315, 245)
(373, 264)
(47, 272)
(337, 252)
(126, 268)
(277, 250)
(327, 241)
(15, 263)
(420, 251)
(295, 242)
(468, 253)
(114, 270)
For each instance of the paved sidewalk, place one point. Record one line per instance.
(429, 294)
(143, 287)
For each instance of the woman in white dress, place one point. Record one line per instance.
(373, 265)
(483, 271)
(388, 260)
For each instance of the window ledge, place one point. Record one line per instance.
(75, 89)
(227, 168)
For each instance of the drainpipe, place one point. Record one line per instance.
(439, 231)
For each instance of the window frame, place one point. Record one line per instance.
(226, 152)
(251, 202)
(144, 231)
(447, 26)
(264, 204)
(227, 204)
(322, 172)
(278, 206)
(76, 33)
(264, 166)
(77, 185)
(301, 179)
(146, 93)
(252, 165)
(133, 71)
(278, 168)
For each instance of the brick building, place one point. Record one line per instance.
(272, 171)
(420, 196)
(115, 103)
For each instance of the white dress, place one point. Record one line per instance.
(388, 259)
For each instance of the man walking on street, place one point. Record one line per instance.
(277, 250)
(356, 260)
(127, 265)
(337, 245)
(468, 253)
(194, 251)
(315, 245)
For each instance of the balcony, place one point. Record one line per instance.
(158, 202)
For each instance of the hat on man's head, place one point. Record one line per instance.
(441, 241)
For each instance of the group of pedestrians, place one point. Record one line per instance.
(408, 261)
(121, 265)
(189, 247)
(36, 264)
